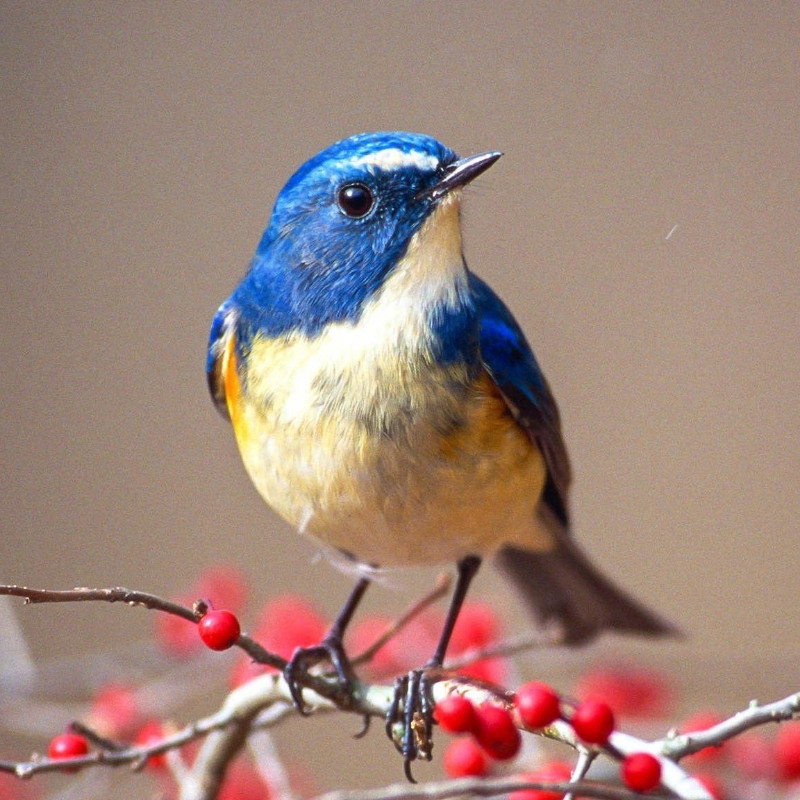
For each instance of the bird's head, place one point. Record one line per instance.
(345, 220)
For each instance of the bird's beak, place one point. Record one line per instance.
(460, 173)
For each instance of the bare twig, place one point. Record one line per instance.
(676, 746)
(242, 705)
(439, 590)
(546, 638)
(482, 787)
(585, 759)
(119, 594)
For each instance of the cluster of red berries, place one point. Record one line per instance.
(493, 734)
(288, 622)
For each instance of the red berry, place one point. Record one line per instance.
(243, 782)
(288, 622)
(488, 670)
(593, 721)
(556, 772)
(67, 745)
(456, 714)
(641, 772)
(178, 636)
(629, 690)
(787, 750)
(219, 629)
(701, 721)
(363, 634)
(115, 711)
(224, 585)
(463, 757)
(150, 733)
(496, 732)
(12, 788)
(245, 670)
(711, 785)
(752, 756)
(537, 705)
(475, 628)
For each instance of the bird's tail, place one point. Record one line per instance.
(562, 586)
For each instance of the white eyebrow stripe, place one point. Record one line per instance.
(393, 158)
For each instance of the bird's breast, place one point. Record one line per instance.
(381, 452)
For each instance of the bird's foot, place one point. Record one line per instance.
(304, 658)
(409, 721)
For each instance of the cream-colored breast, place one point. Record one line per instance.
(424, 476)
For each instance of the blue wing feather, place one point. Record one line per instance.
(510, 362)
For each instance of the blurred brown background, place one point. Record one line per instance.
(643, 224)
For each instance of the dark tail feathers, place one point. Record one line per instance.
(562, 586)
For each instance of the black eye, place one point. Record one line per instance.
(355, 199)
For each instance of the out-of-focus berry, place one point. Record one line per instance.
(555, 772)
(629, 690)
(477, 626)
(752, 756)
(150, 733)
(386, 661)
(114, 712)
(224, 586)
(702, 721)
(463, 757)
(178, 636)
(288, 622)
(242, 782)
(787, 750)
(712, 785)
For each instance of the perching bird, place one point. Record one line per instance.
(385, 401)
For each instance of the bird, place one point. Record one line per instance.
(387, 404)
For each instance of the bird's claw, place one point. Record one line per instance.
(304, 658)
(409, 721)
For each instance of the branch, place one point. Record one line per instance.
(483, 787)
(264, 700)
(676, 746)
(119, 594)
(439, 590)
(240, 709)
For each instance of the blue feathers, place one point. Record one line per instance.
(316, 264)
(504, 349)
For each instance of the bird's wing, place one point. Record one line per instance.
(510, 362)
(220, 344)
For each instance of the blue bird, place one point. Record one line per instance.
(386, 403)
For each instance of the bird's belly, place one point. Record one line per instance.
(415, 491)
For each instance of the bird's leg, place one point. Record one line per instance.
(331, 648)
(412, 706)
